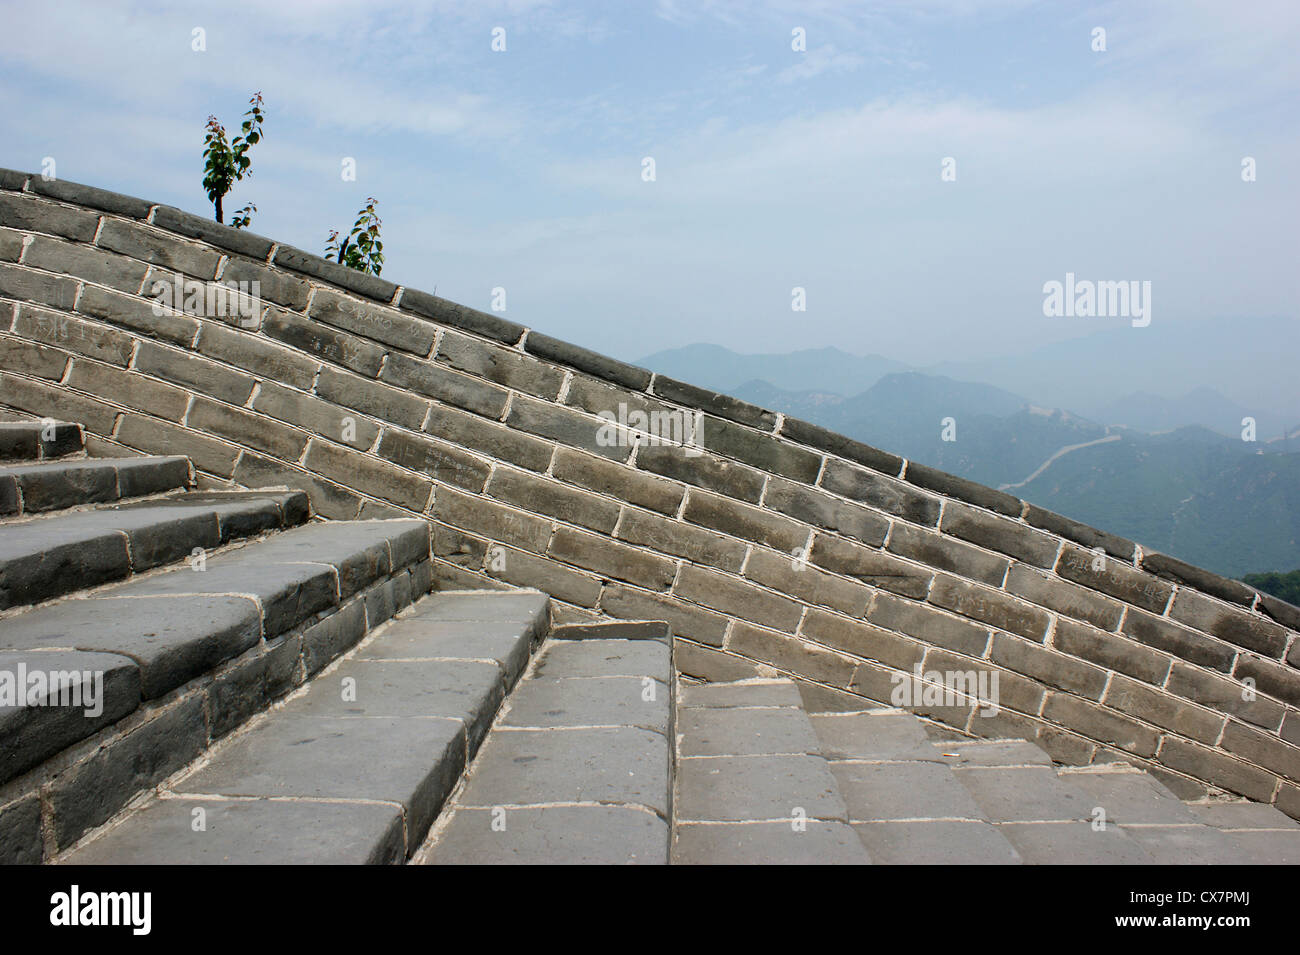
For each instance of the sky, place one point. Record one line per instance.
(775, 168)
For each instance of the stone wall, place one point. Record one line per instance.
(770, 543)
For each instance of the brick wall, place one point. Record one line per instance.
(772, 544)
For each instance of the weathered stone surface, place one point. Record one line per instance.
(1074, 843)
(913, 790)
(621, 373)
(552, 835)
(756, 788)
(505, 366)
(617, 481)
(680, 539)
(768, 843)
(1231, 624)
(733, 731)
(703, 470)
(822, 510)
(872, 567)
(555, 701)
(944, 842)
(20, 831)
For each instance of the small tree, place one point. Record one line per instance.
(362, 249)
(225, 163)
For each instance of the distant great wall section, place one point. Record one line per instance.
(770, 544)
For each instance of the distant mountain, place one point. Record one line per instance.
(1201, 406)
(822, 369)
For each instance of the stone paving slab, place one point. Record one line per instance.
(936, 843)
(875, 791)
(731, 731)
(1030, 794)
(1265, 847)
(753, 788)
(487, 607)
(573, 658)
(1187, 845)
(553, 835)
(251, 832)
(1073, 843)
(766, 693)
(414, 762)
(1132, 797)
(1003, 752)
(768, 843)
(1243, 815)
(591, 701)
(869, 736)
(506, 642)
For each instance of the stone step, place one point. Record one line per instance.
(577, 767)
(1256, 833)
(34, 440)
(752, 785)
(906, 805)
(353, 767)
(56, 555)
(188, 656)
(54, 485)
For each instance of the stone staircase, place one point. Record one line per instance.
(218, 677)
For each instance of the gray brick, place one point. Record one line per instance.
(1277, 680)
(254, 353)
(314, 414)
(11, 244)
(1012, 690)
(328, 499)
(1112, 651)
(989, 606)
(1109, 576)
(42, 399)
(1064, 597)
(621, 373)
(781, 573)
(740, 520)
(84, 262)
(74, 334)
(712, 665)
(437, 381)
(1284, 613)
(442, 462)
(29, 214)
(821, 510)
(862, 640)
(1233, 591)
(563, 583)
(927, 624)
(137, 314)
(157, 248)
(616, 480)
(1223, 695)
(1170, 712)
(247, 429)
(505, 366)
(737, 598)
(893, 497)
(91, 196)
(1079, 533)
(947, 554)
(272, 284)
(1048, 666)
(373, 398)
(815, 436)
(759, 450)
(386, 325)
(196, 373)
(1290, 729)
(27, 286)
(20, 831)
(1000, 534)
(792, 655)
(1164, 634)
(703, 470)
(323, 342)
(1263, 750)
(158, 437)
(872, 567)
(494, 521)
(694, 623)
(1104, 726)
(380, 479)
(129, 389)
(459, 316)
(553, 499)
(213, 233)
(724, 406)
(611, 559)
(1217, 768)
(371, 286)
(13, 179)
(1228, 623)
(564, 425)
(29, 358)
(505, 444)
(933, 479)
(681, 540)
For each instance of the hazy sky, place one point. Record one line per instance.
(775, 168)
